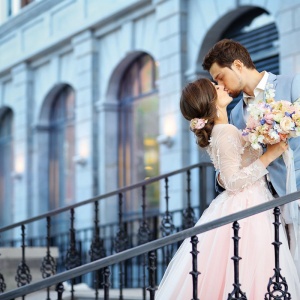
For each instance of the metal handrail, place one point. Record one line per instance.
(103, 196)
(147, 247)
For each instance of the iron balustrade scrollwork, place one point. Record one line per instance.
(61, 238)
(72, 257)
(237, 293)
(2, 283)
(121, 240)
(150, 247)
(106, 282)
(167, 226)
(195, 273)
(97, 250)
(152, 268)
(144, 232)
(144, 236)
(59, 289)
(188, 213)
(23, 275)
(121, 243)
(277, 286)
(48, 265)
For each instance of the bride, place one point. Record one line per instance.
(242, 171)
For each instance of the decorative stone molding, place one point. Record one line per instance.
(27, 14)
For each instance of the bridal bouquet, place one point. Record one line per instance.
(272, 121)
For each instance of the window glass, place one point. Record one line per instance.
(6, 167)
(62, 149)
(138, 129)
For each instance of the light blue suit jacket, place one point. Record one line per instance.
(286, 88)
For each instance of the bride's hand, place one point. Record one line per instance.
(273, 152)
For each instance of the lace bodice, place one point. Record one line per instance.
(238, 163)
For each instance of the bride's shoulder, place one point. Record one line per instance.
(226, 129)
(226, 136)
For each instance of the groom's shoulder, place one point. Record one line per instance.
(288, 85)
(285, 78)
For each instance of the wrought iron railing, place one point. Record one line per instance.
(78, 247)
(276, 281)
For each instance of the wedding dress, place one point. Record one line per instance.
(243, 175)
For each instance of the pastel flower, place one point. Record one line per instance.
(252, 122)
(287, 124)
(269, 118)
(197, 123)
(271, 121)
(278, 116)
(273, 137)
(296, 118)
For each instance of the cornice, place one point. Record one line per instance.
(27, 13)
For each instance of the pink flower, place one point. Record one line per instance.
(269, 118)
(197, 123)
(252, 122)
(272, 121)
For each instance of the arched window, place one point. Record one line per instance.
(138, 129)
(256, 30)
(6, 167)
(62, 149)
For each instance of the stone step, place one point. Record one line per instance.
(83, 292)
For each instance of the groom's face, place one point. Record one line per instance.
(230, 78)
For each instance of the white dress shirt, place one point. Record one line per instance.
(259, 92)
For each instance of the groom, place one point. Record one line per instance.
(230, 64)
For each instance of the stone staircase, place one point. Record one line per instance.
(11, 257)
(83, 292)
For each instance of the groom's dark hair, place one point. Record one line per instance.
(225, 52)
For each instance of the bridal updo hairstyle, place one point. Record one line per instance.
(198, 101)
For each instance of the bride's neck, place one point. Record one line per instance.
(222, 117)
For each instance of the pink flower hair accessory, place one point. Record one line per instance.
(197, 123)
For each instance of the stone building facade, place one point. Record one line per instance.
(78, 79)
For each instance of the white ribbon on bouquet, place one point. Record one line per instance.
(291, 211)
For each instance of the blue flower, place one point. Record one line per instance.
(262, 121)
(288, 114)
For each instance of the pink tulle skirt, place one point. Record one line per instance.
(216, 249)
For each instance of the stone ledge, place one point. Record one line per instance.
(10, 258)
(30, 252)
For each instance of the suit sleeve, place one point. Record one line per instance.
(296, 87)
(229, 156)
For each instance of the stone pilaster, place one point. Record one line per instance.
(171, 20)
(86, 66)
(23, 109)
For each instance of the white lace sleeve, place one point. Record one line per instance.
(228, 150)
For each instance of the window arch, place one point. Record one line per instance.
(256, 30)
(6, 166)
(138, 128)
(62, 148)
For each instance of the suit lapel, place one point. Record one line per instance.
(272, 79)
(238, 115)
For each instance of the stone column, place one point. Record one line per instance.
(86, 66)
(288, 25)
(23, 110)
(108, 167)
(171, 19)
